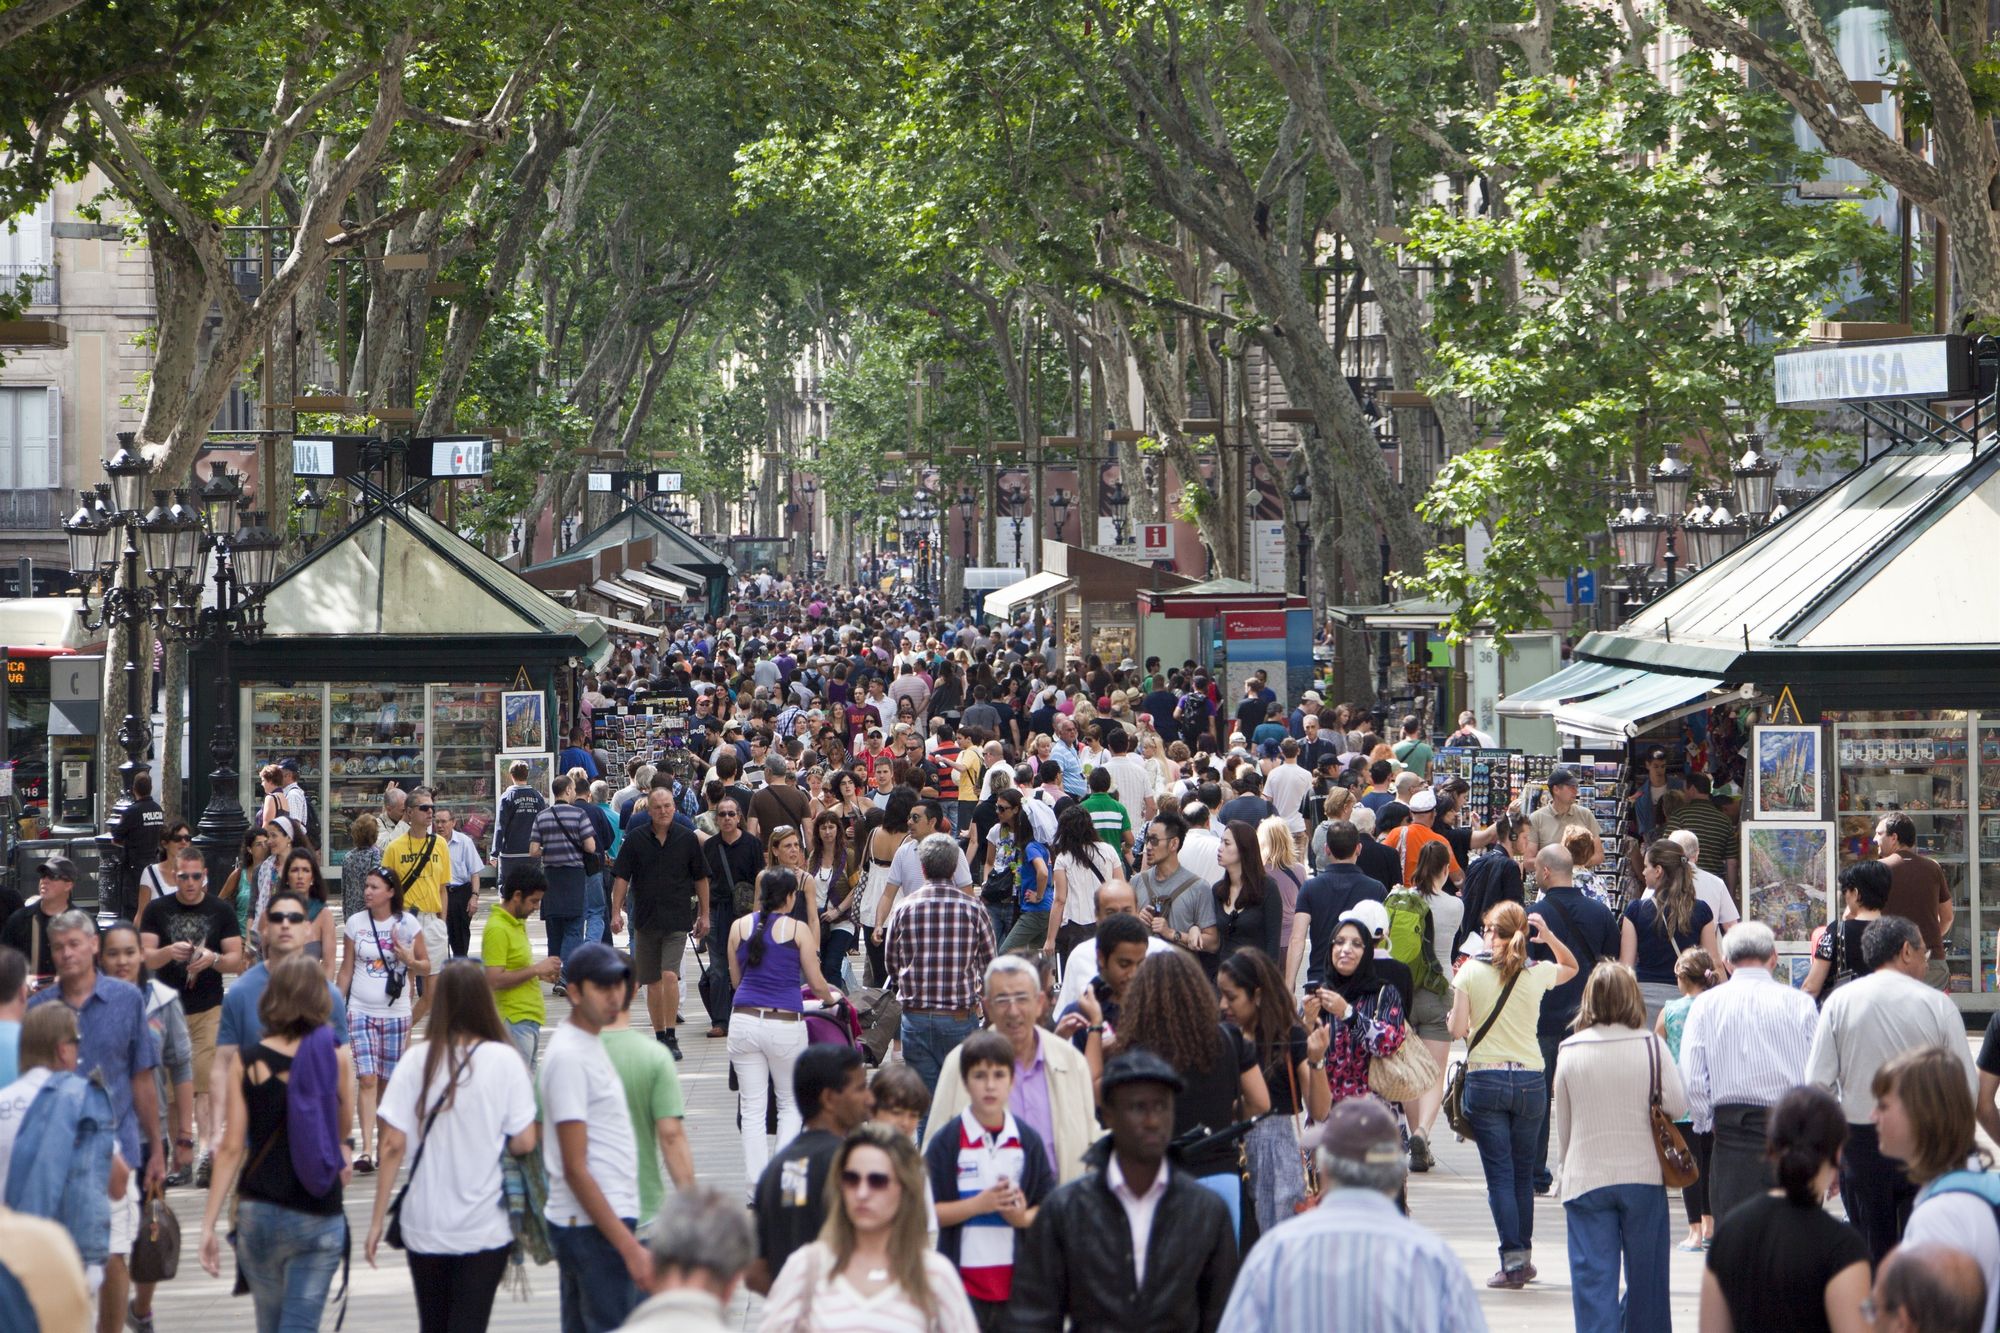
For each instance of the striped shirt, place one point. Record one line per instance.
(561, 830)
(986, 1242)
(1325, 1269)
(1745, 1043)
(1715, 831)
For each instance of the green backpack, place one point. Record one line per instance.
(1410, 934)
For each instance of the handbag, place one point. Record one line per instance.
(156, 1251)
(593, 862)
(1678, 1169)
(1405, 1074)
(1310, 1200)
(1454, 1087)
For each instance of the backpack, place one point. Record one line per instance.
(1191, 712)
(1410, 937)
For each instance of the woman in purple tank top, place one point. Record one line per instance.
(770, 953)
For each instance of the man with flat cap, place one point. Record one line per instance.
(1135, 1243)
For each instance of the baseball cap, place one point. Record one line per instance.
(1423, 800)
(1562, 777)
(1137, 1066)
(1310, 697)
(1359, 1129)
(598, 963)
(57, 867)
(1370, 915)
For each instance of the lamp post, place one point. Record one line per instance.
(246, 561)
(966, 503)
(1120, 504)
(1059, 505)
(1670, 478)
(1301, 498)
(808, 489)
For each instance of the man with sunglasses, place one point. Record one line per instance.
(421, 859)
(191, 941)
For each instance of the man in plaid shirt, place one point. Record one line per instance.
(938, 944)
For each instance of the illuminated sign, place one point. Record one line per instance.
(1868, 371)
(600, 481)
(17, 671)
(667, 483)
(460, 456)
(327, 455)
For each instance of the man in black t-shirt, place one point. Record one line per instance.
(790, 1198)
(28, 928)
(191, 940)
(661, 863)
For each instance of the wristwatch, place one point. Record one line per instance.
(1316, 1064)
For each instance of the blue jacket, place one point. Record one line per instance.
(61, 1167)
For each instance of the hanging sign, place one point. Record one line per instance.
(1786, 711)
(1867, 371)
(451, 456)
(327, 455)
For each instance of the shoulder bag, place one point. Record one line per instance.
(1678, 1168)
(1454, 1087)
(593, 862)
(1406, 1073)
(393, 1232)
(1310, 1200)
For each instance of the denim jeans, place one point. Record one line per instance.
(927, 1040)
(836, 942)
(596, 910)
(597, 1290)
(526, 1034)
(1002, 914)
(565, 933)
(1507, 1108)
(288, 1258)
(1545, 1179)
(1611, 1223)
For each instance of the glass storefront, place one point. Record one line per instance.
(352, 740)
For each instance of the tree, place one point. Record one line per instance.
(1628, 291)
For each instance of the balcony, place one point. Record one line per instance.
(45, 290)
(30, 511)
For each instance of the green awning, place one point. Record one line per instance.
(1578, 680)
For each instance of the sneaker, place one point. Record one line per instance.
(672, 1043)
(561, 991)
(138, 1323)
(1508, 1279)
(1420, 1154)
(202, 1168)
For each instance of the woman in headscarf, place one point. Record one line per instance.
(1363, 1009)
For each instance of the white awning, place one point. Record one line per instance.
(688, 581)
(618, 625)
(654, 584)
(621, 594)
(1641, 704)
(1001, 601)
(1578, 680)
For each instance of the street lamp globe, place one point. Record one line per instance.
(128, 470)
(1059, 504)
(183, 535)
(156, 539)
(312, 514)
(1755, 476)
(255, 550)
(967, 501)
(1671, 478)
(1301, 497)
(218, 496)
(89, 533)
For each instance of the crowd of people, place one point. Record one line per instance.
(1054, 992)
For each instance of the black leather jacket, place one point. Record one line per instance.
(1076, 1261)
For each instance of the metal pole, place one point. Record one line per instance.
(219, 834)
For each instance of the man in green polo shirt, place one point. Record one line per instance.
(653, 1099)
(511, 969)
(1114, 822)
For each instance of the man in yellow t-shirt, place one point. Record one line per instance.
(422, 862)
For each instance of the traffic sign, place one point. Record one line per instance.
(1581, 588)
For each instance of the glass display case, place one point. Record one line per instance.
(464, 736)
(375, 733)
(286, 724)
(1922, 768)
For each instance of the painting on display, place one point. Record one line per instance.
(541, 767)
(523, 724)
(1785, 773)
(1788, 878)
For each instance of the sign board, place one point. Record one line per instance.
(451, 456)
(327, 455)
(1267, 550)
(76, 678)
(1868, 371)
(1144, 542)
(1239, 625)
(1581, 588)
(601, 482)
(667, 483)
(1786, 711)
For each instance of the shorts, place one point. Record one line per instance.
(656, 951)
(202, 1028)
(378, 1042)
(437, 940)
(125, 1217)
(1427, 1016)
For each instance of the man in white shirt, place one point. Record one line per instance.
(1202, 851)
(1744, 1046)
(1083, 964)
(1868, 1022)
(1131, 781)
(462, 889)
(1708, 888)
(1286, 787)
(591, 1156)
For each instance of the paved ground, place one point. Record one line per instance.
(1451, 1200)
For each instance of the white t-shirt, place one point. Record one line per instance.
(455, 1207)
(1286, 789)
(1080, 907)
(14, 1099)
(578, 1082)
(1131, 783)
(1962, 1222)
(1201, 852)
(906, 871)
(369, 993)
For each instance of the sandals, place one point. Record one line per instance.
(1692, 1246)
(364, 1165)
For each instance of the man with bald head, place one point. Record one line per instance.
(1708, 887)
(1081, 967)
(1930, 1289)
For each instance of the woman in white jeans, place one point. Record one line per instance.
(770, 953)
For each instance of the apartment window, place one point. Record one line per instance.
(27, 249)
(30, 456)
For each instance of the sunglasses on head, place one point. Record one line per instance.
(875, 1180)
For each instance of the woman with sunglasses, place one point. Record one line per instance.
(157, 879)
(385, 949)
(301, 875)
(873, 1265)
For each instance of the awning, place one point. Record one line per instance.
(618, 625)
(1578, 680)
(621, 594)
(1001, 601)
(1408, 615)
(688, 581)
(666, 589)
(1640, 705)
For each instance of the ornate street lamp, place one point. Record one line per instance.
(1755, 476)
(311, 507)
(1301, 498)
(1059, 505)
(967, 501)
(1670, 478)
(1119, 502)
(245, 562)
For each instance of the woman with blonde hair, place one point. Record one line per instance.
(1282, 868)
(1586, 853)
(1614, 1196)
(1924, 1119)
(1497, 1006)
(1339, 804)
(1660, 925)
(873, 1265)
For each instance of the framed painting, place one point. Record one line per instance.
(1785, 773)
(523, 722)
(1788, 870)
(541, 767)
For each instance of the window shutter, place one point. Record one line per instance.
(32, 423)
(52, 455)
(10, 437)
